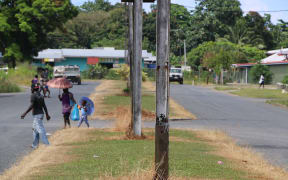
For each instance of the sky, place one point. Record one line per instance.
(247, 5)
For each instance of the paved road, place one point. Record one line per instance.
(250, 121)
(16, 134)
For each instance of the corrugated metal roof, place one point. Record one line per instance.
(99, 52)
(274, 58)
(278, 51)
(50, 54)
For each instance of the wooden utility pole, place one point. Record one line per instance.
(162, 90)
(137, 69)
(130, 52)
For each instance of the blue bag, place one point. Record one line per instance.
(75, 116)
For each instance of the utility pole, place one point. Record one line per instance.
(162, 91)
(185, 55)
(130, 52)
(137, 69)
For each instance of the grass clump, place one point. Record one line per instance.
(106, 154)
(6, 86)
(22, 75)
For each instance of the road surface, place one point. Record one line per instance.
(251, 122)
(16, 134)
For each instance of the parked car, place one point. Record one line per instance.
(71, 72)
(176, 74)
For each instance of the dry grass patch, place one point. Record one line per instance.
(244, 157)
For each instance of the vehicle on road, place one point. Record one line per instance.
(176, 75)
(71, 72)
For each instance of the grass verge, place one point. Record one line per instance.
(260, 93)
(111, 101)
(109, 154)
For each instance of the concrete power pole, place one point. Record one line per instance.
(162, 90)
(137, 69)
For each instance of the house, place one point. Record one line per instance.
(108, 57)
(277, 62)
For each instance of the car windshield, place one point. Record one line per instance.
(176, 70)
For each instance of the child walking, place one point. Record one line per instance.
(83, 108)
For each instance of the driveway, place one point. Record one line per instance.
(16, 134)
(251, 122)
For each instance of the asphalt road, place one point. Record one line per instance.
(16, 134)
(250, 122)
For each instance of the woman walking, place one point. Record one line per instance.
(67, 102)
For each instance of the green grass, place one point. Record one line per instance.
(260, 93)
(22, 75)
(121, 157)
(6, 86)
(148, 102)
(282, 102)
(225, 88)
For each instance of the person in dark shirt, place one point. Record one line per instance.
(37, 106)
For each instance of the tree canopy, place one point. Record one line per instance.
(24, 25)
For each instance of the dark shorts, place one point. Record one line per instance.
(66, 115)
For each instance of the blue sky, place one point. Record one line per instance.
(247, 5)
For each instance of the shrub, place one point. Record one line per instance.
(22, 75)
(6, 86)
(95, 72)
(285, 80)
(123, 72)
(112, 75)
(259, 69)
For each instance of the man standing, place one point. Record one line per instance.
(261, 81)
(37, 106)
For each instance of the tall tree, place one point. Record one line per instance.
(96, 5)
(24, 25)
(259, 28)
(211, 19)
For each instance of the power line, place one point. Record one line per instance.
(259, 11)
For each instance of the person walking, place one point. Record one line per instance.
(68, 101)
(261, 81)
(37, 106)
(84, 114)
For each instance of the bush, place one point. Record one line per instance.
(144, 76)
(112, 75)
(259, 69)
(285, 80)
(95, 72)
(123, 72)
(22, 75)
(6, 86)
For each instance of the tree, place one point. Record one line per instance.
(210, 19)
(259, 33)
(97, 5)
(258, 70)
(239, 53)
(24, 25)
